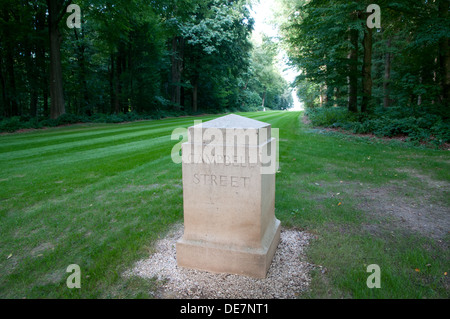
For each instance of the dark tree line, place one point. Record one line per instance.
(404, 63)
(130, 56)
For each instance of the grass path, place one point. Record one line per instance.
(100, 195)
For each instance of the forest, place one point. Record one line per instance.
(132, 59)
(391, 80)
(138, 59)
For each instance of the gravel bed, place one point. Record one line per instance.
(288, 275)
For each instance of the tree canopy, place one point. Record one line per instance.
(390, 79)
(403, 63)
(152, 57)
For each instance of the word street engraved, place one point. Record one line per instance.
(221, 180)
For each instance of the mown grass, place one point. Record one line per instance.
(332, 174)
(100, 195)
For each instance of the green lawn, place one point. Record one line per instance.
(100, 195)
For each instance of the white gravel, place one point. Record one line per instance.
(288, 274)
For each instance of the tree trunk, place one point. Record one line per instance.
(129, 67)
(177, 69)
(122, 85)
(3, 85)
(264, 97)
(33, 103)
(42, 70)
(82, 63)
(367, 70)
(336, 96)
(195, 94)
(324, 93)
(57, 103)
(387, 76)
(119, 62)
(444, 56)
(353, 72)
(419, 97)
(45, 96)
(56, 9)
(182, 98)
(111, 82)
(11, 105)
(14, 106)
(117, 86)
(32, 76)
(245, 88)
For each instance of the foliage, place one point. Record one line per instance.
(384, 123)
(251, 101)
(328, 117)
(16, 123)
(264, 78)
(409, 70)
(11, 124)
(168, 57)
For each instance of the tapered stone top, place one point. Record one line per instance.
(247, 131)
(234, 121)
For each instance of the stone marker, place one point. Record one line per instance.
(229, 167)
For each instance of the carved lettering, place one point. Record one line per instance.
(196, 179)
(234, 181)
(221, 180)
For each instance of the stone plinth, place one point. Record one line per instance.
(229, 198)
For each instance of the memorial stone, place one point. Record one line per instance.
(228, 172)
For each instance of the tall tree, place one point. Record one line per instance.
(217, 39)
(125, 59)
(56, 11)
(444, 54)
(366, 68)
(10, 16)
(352, 71)
(387, 75)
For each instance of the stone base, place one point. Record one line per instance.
(220, 259)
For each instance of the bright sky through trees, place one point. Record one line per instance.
(263, 13)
